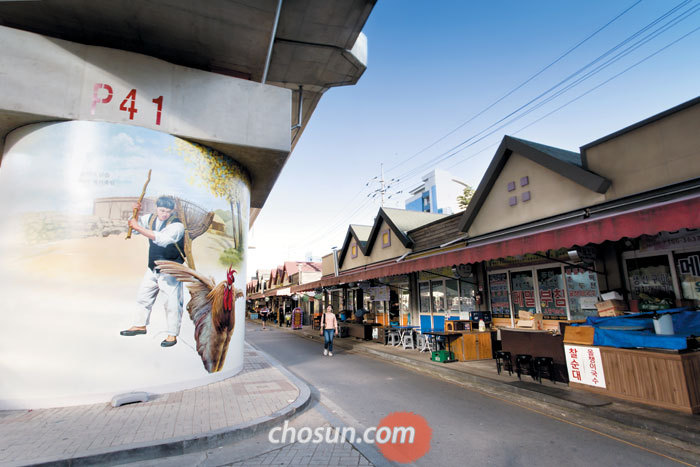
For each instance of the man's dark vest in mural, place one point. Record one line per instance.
(169, 252)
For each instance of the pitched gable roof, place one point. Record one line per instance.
(360, 233)
(292, 267)
(400, 221)
(565, 163)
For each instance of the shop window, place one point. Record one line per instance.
(522, 288)
(467, 292)
(424, 290)
(651, 282)
(386, 238)
(552, 295)
(452, 296)
(498, 292)
(688, 269)
(437, 291)
(582, 287)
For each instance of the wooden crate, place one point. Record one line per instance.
(472, 346)
(579, 335)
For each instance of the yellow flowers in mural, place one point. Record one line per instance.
(212, 170)
(225, 179)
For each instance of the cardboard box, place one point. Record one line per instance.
(533, 320)
(522, 314)
(611, 296)
(611, 312)
(609, 306)
(579, 335)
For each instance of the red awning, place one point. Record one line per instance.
(668, 216)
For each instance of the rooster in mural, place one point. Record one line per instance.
(211, 308)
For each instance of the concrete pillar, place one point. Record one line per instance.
(71, 281)
(82, 126)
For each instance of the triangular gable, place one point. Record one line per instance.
(400, 221)
(563, 162)
(360, 233)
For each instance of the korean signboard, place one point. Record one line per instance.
(585, 365)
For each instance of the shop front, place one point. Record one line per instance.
(534, 284)
(444, 296)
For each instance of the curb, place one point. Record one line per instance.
(188, 444)
(673, 432)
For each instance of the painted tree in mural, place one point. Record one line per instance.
(223, 178)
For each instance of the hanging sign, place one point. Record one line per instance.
(379, 294)
(585, 365)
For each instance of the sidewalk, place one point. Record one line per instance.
(257, 398)
(676, 430)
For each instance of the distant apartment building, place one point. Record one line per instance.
(437, 194)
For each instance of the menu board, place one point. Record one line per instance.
(584, 365)
(498, 291)
(583, 292)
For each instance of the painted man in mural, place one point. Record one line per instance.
(165, 233)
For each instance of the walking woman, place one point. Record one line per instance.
(330, 326)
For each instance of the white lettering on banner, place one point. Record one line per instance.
(585, 365)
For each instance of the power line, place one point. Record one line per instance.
(590, 90)
(458, 148)
(490, 106)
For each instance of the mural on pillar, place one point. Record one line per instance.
(162, 300)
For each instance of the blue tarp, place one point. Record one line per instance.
(641, 333)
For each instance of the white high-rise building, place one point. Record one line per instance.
(438, 193)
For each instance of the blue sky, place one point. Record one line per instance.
(433, 65)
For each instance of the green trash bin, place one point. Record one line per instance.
(442, 356)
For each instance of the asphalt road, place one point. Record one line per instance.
(468, 428)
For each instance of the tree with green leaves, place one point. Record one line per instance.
(465, 197)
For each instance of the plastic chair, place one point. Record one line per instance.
(424, 343)
(407, 341)
(504, 361)
(544, 365)
(523, 364)
(394, 338)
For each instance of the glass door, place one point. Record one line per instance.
(522, 286)
(551, 293)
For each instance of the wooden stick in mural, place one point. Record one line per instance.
(136, 210)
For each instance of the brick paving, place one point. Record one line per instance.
(299, 454)
(257, 391)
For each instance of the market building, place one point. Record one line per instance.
(548, 231)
